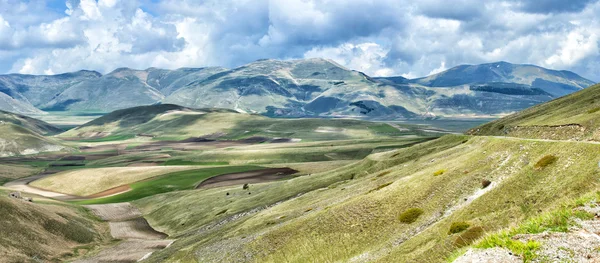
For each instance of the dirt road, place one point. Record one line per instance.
(126, 223)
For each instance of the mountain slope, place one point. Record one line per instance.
(296, 88)
(23, 93)
(553, 82)
(23, 135)
(45, 232)
(573, 117)
(173, 122)
(32, 124)
(310, 87)
(361, 212)
(124, 88)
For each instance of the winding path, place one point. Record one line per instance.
(140, 240)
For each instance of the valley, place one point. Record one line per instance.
(297, 131)
(343, 190)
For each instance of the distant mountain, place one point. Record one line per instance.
(296, 88)
(556, 83)
(573, 117)
(28, 93)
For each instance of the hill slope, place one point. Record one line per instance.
(573, 117)
(32, 124)
(45, 232)
(168, 121)
(396, 206)
(296, 88)
(24, 135)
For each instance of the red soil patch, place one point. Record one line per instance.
(112, 191)
(258, 176)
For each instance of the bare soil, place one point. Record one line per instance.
(109, 192)
(128, 251)
(115, 212)
(126, 223)
(258, 176)
(134, 229)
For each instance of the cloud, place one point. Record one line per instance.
(364, 57)
(385, 37)
(553, 6)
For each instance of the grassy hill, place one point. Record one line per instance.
(573, 117)
(395, 206)
(172, 122)
(32, 124)
(46, 232)
(17, 140)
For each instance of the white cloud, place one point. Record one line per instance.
(385, 37)
(365, 57)
(578, 45)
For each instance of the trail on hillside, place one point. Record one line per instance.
(140, 240)
(539, 140)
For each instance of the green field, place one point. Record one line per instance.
(184, 180)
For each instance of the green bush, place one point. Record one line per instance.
(380, 187)
(545, 161)
(410, 215)
(594, 110)
(439, 172)
(469, 236)
(458, 227)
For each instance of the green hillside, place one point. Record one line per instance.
(32, 124)
(46, 232)
(358, 211)
(172, 122)
(573, 117)
(17, 140)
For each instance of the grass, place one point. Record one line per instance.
(410, 215)
(175, 123)
(110, 138)
(47, 232)
(183, 180)
(343, 222)
(556, 221)
(471, 235)
(543, 121)
(184, 162)
(84, 182)
(545, 161)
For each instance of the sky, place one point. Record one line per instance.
(378, 37)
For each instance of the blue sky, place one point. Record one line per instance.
(379, 37)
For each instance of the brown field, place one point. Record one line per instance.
(259, 176)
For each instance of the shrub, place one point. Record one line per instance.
(545, 161)
(439, 172)
(380, 187)
(410, 215)
(594, 110)
(384, 173)
(458, 227)
(469, 236)
(485, 183)
(246, 187)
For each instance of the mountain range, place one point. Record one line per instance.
(296, 88)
